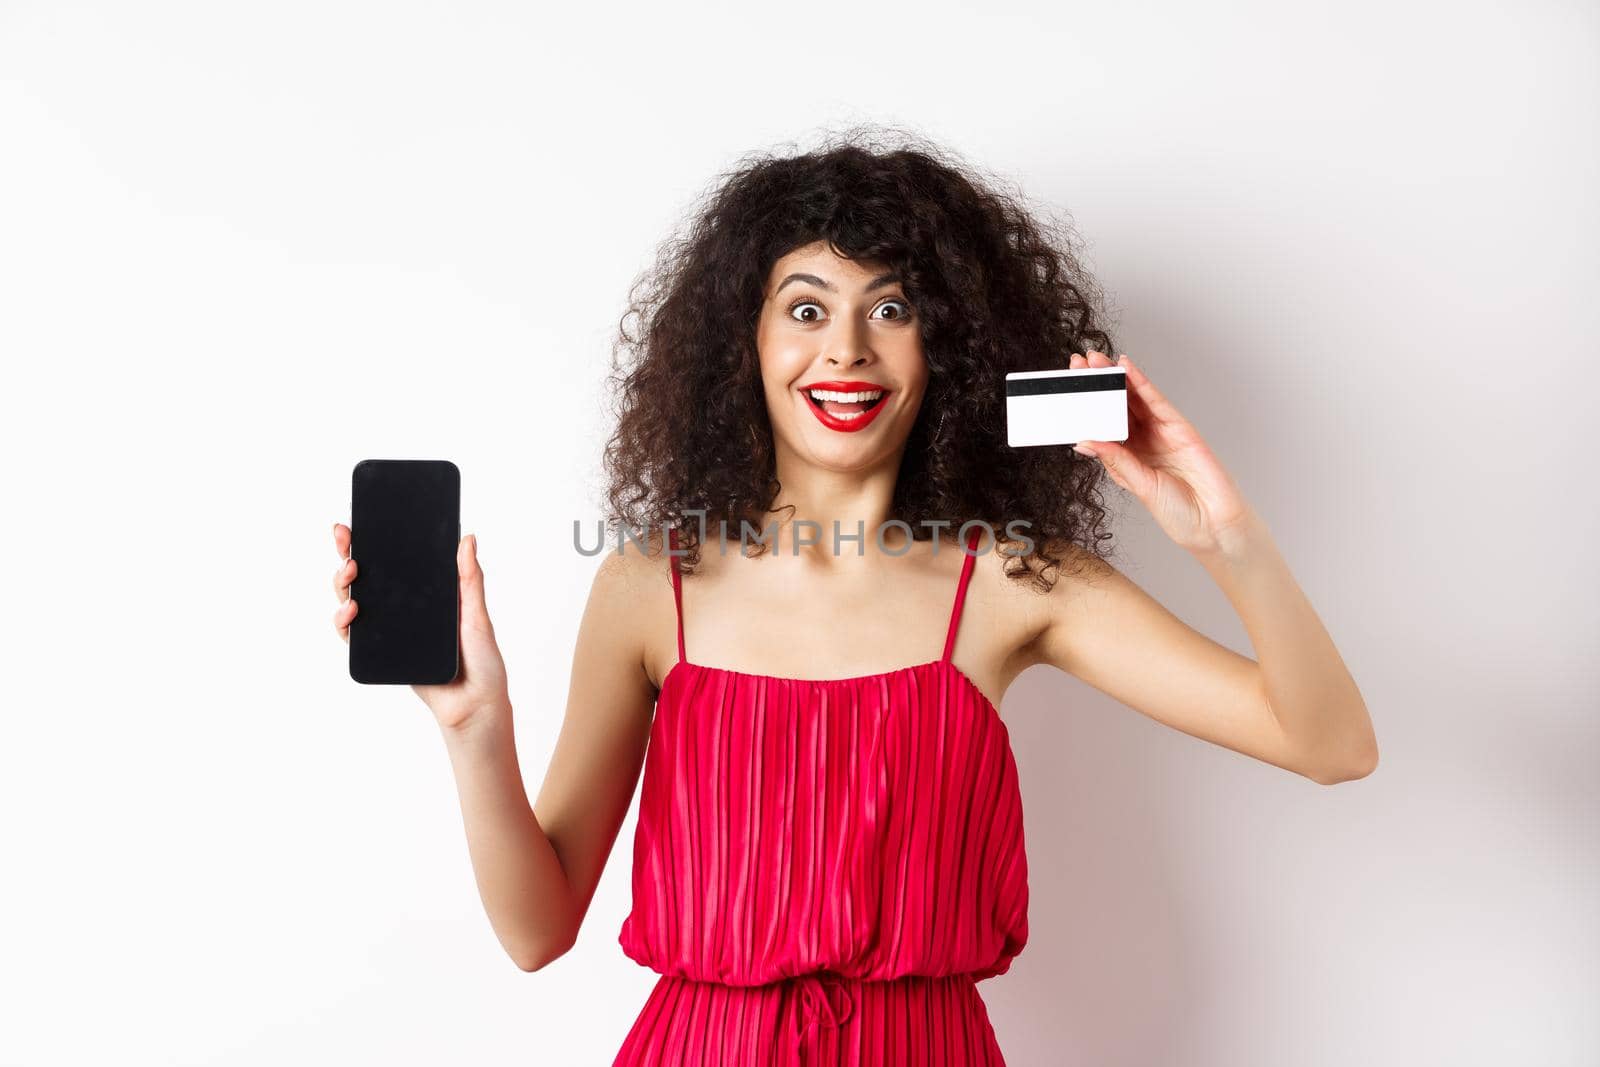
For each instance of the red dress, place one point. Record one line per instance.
(824, 869)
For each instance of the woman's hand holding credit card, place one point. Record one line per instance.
(1112, 412)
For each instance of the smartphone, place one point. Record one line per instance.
(1063, 407)
(405, 524)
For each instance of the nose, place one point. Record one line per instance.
(847, 345)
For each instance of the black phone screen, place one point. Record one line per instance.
(405, 524)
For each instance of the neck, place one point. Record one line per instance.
(859, 502)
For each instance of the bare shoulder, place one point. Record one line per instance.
(1095, 615)
(1027, 607)
(630, 566)
(1002, 617)
(631, 598)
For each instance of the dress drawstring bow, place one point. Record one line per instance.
(819, 1009)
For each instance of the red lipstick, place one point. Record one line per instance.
(836, 415)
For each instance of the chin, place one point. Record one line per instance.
(843, 454)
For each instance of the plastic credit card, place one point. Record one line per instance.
(1063, 407)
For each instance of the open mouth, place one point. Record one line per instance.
(845, 406)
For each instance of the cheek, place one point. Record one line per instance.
(775, 390)
(773, 374)
(914, 371)
(781, 364)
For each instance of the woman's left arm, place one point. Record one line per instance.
(1296, 706)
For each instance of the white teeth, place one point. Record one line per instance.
(845, 398)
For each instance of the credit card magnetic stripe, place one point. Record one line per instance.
(1075, 383)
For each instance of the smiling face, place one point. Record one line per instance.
(841, 360)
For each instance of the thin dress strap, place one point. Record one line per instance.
(677, 590)
(961, 592)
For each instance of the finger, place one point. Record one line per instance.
(342, 577)
(342, 616)
(474, 609)
(1098, 359)
(1156, 407)
(341, 540)
(1125, 468)
(1077, 361)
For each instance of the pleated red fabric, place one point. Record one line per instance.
(824, 869)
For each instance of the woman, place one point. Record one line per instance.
(829, 853)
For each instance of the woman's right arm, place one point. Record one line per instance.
(537, 867)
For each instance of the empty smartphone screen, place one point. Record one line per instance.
(405, 524)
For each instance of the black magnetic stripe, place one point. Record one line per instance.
(1071, 383)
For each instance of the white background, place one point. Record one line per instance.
(244, 246)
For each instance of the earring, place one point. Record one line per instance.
(937, 429)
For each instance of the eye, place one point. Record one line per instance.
(806, 301)
(803, 302)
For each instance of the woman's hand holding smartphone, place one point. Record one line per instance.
(479, 692)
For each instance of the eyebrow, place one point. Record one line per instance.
(877, 283)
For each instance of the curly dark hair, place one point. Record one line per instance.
(995, 289)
